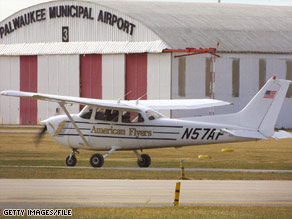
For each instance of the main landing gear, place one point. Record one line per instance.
(97, 160)
(143, 160)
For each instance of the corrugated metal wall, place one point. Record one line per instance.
(9, 80)
(136, 76)
(159, 77)
(156, 74)
(57, 75)
(250, 66)
(113, 77)
(80, 29)
(90, 76)
(28, 82)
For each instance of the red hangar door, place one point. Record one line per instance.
(28, 82)
(136, 76)
(90, 76)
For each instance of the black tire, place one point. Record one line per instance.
(145, 162)
(71, 162)
(97, 160)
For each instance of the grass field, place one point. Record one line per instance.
(198, 212)
(19, 149)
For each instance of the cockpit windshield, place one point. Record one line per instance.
(86, 113)
(152, 115)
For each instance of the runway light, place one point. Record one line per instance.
(274, 77)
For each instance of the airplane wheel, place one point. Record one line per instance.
(71, 162)
(145, 162)
(97, 160)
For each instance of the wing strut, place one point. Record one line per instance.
(74, 124)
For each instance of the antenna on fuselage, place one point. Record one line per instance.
(119, 99)
(137, 101)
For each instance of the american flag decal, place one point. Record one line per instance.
(270, 94)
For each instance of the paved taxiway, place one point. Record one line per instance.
(58, 193)
(154, 169)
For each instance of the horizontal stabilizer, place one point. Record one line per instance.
(281, 134)
(245, 133)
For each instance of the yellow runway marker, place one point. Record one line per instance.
(176, 194)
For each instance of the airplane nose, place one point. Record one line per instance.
(43, 122)
(55, 124)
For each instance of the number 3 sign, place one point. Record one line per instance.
(65, 34)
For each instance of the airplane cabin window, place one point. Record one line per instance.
(86, 113)
(132, 117)
(107, 115)
(99, 115)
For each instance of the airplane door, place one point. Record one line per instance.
(137, 132)
(104, 131)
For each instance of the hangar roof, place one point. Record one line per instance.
(174, 25)
(238, 27)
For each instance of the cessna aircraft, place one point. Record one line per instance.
(107, 125)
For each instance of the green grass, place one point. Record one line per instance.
(197, 212)
(19, 149)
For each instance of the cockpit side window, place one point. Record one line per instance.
(86, 113)
(152, 115)
(132, 117)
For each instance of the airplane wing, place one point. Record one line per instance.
(180, 104)
(66, 99)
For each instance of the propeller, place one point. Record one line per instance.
(40, 135)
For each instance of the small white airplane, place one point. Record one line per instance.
(107, 125)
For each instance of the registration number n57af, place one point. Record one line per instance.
(201, 133)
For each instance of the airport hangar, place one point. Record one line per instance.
(106, 49)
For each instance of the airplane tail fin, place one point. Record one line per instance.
(262, 111)
(258, 118)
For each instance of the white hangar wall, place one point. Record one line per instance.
(94, 26)
(57, 74)
(189, 81)
(159, 78)
(113, 76)
(9, 80)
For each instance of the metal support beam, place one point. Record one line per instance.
(110, 152)
(73, 122)
(138, 155)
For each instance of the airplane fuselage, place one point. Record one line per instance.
(162, 132)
